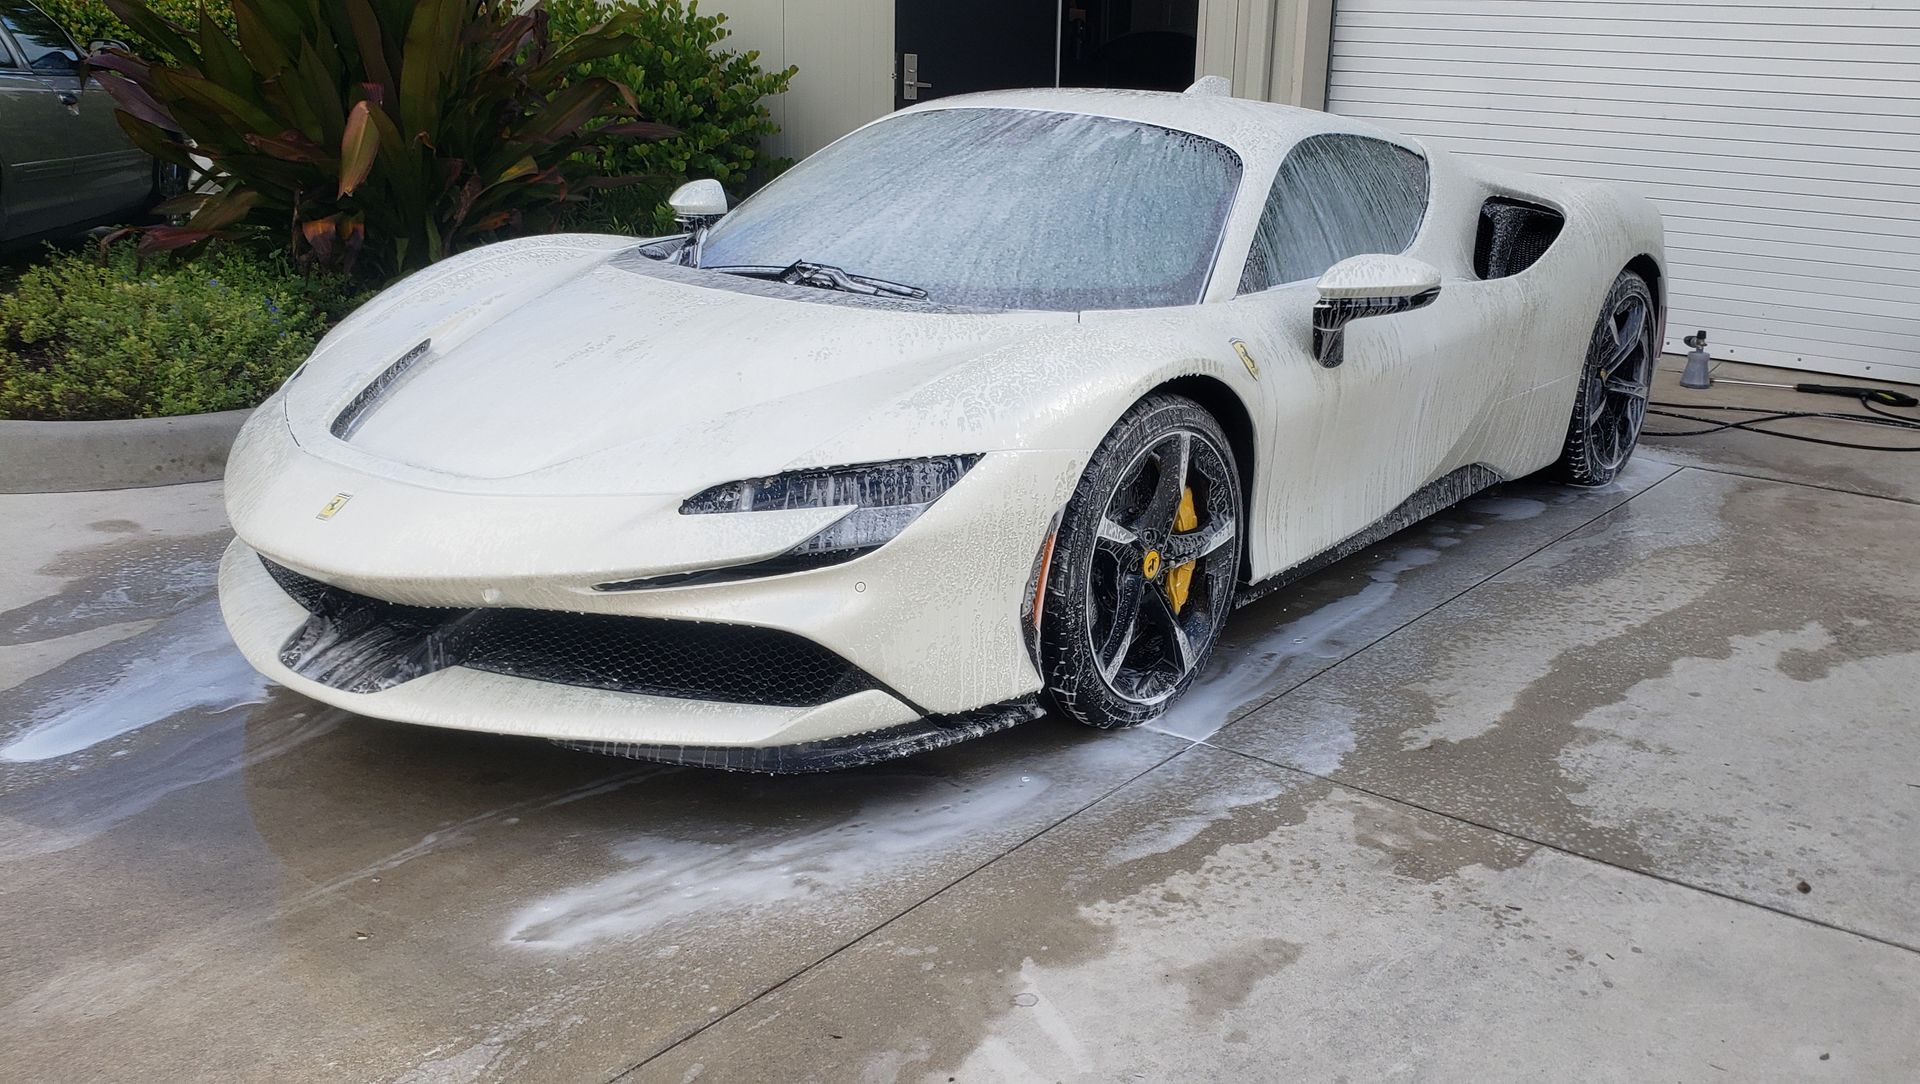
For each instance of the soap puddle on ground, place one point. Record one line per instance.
(184, 663)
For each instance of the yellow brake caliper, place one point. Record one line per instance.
(1180, 580)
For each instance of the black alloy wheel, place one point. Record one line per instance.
(1145, 566)
(1611, 404)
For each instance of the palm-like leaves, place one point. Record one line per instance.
(384, 129)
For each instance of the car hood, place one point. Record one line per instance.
(580, 366)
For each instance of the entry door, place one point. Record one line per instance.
(942, 47)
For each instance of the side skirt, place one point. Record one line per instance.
(1436, 496)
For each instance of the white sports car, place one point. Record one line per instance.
(998, 404)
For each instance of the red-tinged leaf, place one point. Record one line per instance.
(263, 37)
(493, 221)
(132, 98)
(289, 146)
(249, 114)
(153, 140)
(358, 146)
(645, 130)
(178, 47)
(566, 111)
(117, 61)
(224, 62)
(226, 209)
(372, 44)
(169, 238)
(508, 41)
(184, 204)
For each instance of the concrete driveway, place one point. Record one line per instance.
(1613, 783)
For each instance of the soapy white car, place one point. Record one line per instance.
(997, 405)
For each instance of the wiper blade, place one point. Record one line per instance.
(826, 277)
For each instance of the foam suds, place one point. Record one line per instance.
(1240, 675)
(672, 879)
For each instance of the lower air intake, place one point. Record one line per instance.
(364, 645)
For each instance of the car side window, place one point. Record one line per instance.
(1336, 196)
(45, 46)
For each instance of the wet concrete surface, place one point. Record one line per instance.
(1530, 789)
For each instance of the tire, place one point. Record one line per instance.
(1611, 403)
(1117, 558)
(169, 180)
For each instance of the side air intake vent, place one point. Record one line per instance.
(1513, 236)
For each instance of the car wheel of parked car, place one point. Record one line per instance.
(169, 180)
(1144, 567)
(1611, 404)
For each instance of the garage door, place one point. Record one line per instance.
(1782, 141)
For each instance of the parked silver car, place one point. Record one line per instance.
(64, 162)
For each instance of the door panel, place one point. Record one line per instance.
(35, 144)
(1407, 406)
(979, 45)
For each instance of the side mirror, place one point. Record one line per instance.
(101, 45)
(697, 204)
(1363, 286)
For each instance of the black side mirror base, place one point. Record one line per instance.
(1332, 315)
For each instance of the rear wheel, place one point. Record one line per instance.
(1145, 566)
(1611, 404)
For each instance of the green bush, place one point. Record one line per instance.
(404, 130)
(91, 20)
(683, 75)
(82, 340)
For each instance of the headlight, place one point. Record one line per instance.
(881, 498)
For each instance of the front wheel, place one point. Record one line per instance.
(1611, 403)
(1145, 566)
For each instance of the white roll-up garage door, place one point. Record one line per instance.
(1781, 140)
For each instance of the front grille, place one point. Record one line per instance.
(364, 645)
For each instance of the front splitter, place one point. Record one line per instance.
(831, 754)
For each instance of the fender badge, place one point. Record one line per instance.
(1246, 358)
(333, 507)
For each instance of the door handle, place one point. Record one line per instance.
(69, 98)
(910, 84)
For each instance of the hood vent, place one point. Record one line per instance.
(378, 389)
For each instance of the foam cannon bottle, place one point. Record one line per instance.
(1698, 360)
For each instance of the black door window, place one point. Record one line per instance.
(1336, 196)
(47, 48)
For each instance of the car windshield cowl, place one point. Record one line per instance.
(822, 276)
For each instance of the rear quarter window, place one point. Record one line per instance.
(1336, 196)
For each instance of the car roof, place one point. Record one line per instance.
(1257, 131)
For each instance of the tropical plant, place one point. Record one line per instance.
(83, 337)
(683, 74)
(404, 131)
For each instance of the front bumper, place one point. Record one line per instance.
(933, 618)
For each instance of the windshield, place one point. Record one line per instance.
(1000, 208)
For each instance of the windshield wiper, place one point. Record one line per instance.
(826, 277)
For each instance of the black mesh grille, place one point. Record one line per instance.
(1513, 236)
(362, 644)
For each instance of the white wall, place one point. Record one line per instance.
(1274, 50)
(844, 50)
